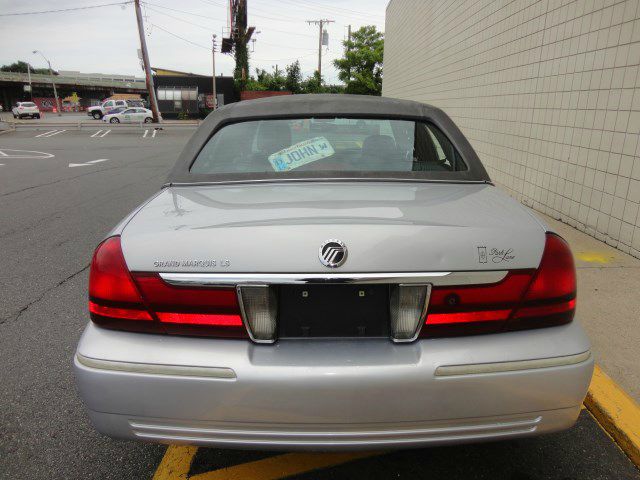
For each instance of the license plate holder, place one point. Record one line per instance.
(348, 311)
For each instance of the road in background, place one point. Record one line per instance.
(51, 218)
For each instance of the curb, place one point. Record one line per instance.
(616, 412)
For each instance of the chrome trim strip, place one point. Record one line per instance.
(156, 369)
(499, 367)
(410, 278)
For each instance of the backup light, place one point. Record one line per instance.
(259, 308)
(408, 305)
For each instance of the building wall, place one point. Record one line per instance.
(548, 93)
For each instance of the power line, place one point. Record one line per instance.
(285, 47)
(181, 38)
(181, 11)
(330, 8)
(373, 18)
(208, 29)
(65, 9)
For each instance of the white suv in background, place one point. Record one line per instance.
(25, 109)
(101, 110)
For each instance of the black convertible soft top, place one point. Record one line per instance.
(323, 106)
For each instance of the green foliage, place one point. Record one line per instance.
(21, 67)
(183, 115)
(313, 84)
(241, 71)
(271, 81)
(361, 66)
(293, 82)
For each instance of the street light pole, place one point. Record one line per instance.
(213, 56)
(55, 92)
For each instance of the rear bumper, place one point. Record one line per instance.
(325, 395)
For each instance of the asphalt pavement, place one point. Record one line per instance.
(60, 193)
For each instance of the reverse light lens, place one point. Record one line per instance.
(259, 308)
(407, 308)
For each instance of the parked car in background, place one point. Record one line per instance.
(129, 115)
(100, 111)
(26, 109)
(355, 283)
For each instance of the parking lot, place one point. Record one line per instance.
(62, 189)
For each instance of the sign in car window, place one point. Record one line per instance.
(301, 154)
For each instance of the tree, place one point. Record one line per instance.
(266, 81)
(21, 67)
(293, 82)
(361, 66)
(313, 84)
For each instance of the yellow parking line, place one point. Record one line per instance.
(594, 257)
(176, 463)
(281, 466)
(616, 411)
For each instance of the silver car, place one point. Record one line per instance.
(330, 273)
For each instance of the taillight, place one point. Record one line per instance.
(551, 297)
(523, 299)
(112, 293)
(144, 302)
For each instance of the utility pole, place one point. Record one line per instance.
(213, 57)
(320, 24)
(30, 86)
(53, 82)
(349, 49)
(153, 102)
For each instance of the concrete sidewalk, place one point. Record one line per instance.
(608, 304)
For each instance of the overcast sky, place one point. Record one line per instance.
(105, 40)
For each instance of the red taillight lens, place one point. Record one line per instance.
(192, 310)
(144, 302)
(523, 299)
(551, 298)
(112, 293)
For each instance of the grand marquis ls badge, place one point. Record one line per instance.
(333, 253)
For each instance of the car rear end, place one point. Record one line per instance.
(332, 313)
(27, 109)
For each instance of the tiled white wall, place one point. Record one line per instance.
(547, 92)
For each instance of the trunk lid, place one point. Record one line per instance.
(279, 228)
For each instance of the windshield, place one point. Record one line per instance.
(27, 104)
(328, 144)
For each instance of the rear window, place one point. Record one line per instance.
(27, 104)
(328, 144)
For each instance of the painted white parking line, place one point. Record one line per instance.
(87, 164)
(45, 133)
(154, 133)
(50, 133)
(145, 134)
(97, 133)
(10, 153)
(104, 134)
